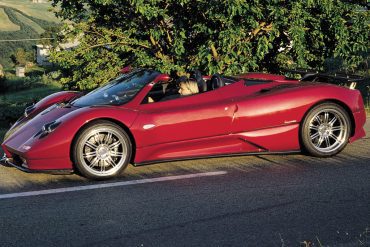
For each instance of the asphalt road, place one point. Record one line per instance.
(266, 200)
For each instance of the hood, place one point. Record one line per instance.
(26, 128)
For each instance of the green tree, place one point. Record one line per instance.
(225, 36)
(21, 57)
(50, 36)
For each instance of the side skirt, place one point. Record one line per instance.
(214, 156)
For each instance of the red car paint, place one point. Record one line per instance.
(235, 119)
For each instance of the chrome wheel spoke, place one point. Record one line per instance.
(108, 138)
(315, 135)
(319, 142)
(89, 155)
(318, 119)
(102, 166)
(91, 145)
(116, 154)
(327, 141)
(326, 117)
(111, 162)
(314, 127)
(334, 137)
(332, 121)
(114, 145)
(336, 128)
(94, 162)
(97, 138)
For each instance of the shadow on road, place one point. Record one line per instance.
(355, 154)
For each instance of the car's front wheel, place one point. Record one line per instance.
(101, 150)
(325, 130)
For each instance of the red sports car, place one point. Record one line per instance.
(145, 117)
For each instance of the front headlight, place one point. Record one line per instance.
(48, 128)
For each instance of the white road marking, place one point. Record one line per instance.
(110, 185)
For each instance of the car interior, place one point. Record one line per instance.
(170, 90)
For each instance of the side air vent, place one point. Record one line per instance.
(252, 82)
(278, 87)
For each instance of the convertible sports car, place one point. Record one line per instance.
(141, 118)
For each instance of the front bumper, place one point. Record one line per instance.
(10, 162)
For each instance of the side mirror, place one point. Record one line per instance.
(162, 77)
(126, 70)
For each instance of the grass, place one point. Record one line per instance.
(29, 22)
(36, 77)
(37, 10)
(363, 239)
(6, 24)
(2, 133)
(29, 95)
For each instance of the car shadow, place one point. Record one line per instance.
(355, 154)
(14, 180)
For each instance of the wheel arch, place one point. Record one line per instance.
(115, 121)
(335, 101)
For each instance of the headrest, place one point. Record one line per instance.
(197, 76)
(216, 81)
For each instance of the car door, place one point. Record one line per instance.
(187, 118)
(269, 119)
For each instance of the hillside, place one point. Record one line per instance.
(36, 10)
(22, 19)
(6, 24)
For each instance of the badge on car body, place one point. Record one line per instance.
(25, 147)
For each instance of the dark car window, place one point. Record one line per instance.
(119, 91)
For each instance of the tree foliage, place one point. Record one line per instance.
(21, 57)
(225, 36)
(50, 36)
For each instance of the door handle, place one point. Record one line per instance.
(236, 108)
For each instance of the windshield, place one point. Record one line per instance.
(119, 91)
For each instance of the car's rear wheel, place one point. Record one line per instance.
(325, 130)
(101, 150)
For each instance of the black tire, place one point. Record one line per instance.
(325, 130)
(101, 150)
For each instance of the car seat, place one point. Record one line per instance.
(215, 82)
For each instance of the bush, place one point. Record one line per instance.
(9, 113)
(55, 75)
(21, 57)
(3, 86)
(35, 77)
(14, 83)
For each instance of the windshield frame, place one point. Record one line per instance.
(114, 92)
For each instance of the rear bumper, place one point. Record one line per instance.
(9, 162)
(360, 120)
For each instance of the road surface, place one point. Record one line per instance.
(263, 200)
